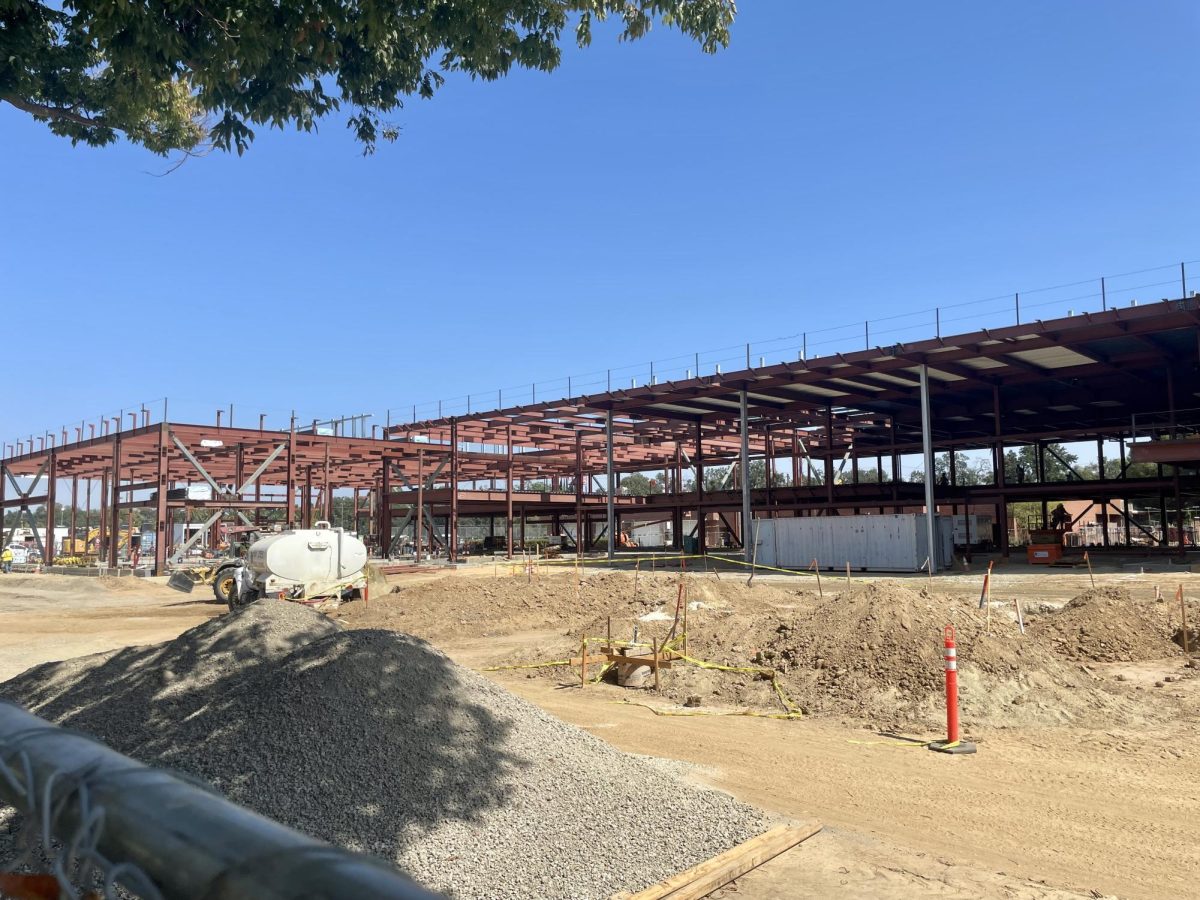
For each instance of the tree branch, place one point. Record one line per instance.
(53, 112)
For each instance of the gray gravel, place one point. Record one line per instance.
(378, 742)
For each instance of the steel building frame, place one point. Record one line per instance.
(1094, 377)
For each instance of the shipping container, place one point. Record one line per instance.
(896, 543)
(972, 530)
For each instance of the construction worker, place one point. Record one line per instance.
(6, 560)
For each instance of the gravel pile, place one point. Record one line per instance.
(377, 742)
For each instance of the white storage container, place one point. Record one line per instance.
(895, 543)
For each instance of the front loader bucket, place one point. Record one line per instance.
(181, 581)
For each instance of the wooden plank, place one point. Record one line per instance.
(701, 880)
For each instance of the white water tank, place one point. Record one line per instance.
(307, 556)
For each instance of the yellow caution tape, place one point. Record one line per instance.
(792, 711)
(519, 568)
(537, 665)
(739, 562)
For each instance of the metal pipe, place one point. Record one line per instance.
(927, 447)
(610, 505)
(217, 850)
(744, 463)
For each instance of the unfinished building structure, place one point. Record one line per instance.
(830, 435)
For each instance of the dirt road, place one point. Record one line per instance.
(53, 617)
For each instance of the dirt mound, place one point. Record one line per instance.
(376, 741)
(481, 606)
(1107, 625)
(875, 652)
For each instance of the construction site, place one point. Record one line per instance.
(691, 637)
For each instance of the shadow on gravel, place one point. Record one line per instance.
(367, 739)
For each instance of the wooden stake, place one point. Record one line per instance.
(1020, 618)
(816, 568)
(987, 579)
(847, 571)
(654, 648)
(609, 648)
(583, 662)
(1183, 615)
(685, 612)
(1087, 559)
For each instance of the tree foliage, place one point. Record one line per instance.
(967, 472)
(638, 485)
(173, 75)
(1020, 465)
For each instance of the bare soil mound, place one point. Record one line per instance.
(873, 652)
(457, 607)
(876, 651)
(1108, 625)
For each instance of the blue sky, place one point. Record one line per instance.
(840, 162)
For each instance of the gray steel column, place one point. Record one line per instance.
(744, 462)
(927, 447)
(611, 500)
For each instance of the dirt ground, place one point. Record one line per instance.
(44, 618)
(1098, 801)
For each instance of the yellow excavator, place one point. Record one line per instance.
(81, 548)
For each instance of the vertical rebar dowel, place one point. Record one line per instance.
(748, 366)
(697, 355)
(804, 346)
(867, 335)
(533, 393)
(937, 321)
(651, 371)
(1017, 302)
(1183, 278)
(609, 381)
(1103, 295)
(569, 392)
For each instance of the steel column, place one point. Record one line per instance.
(453, 537)
(419, 525)
(291, 477)
(508, 491)
(998, 458)
(829, 454)
(747, 526)
(610, 499)
(161, 525)
(51, 492)
(74, 511)
(581, 545)
(327, 488)
(931, 530)
(114, 531)
(701, 524)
